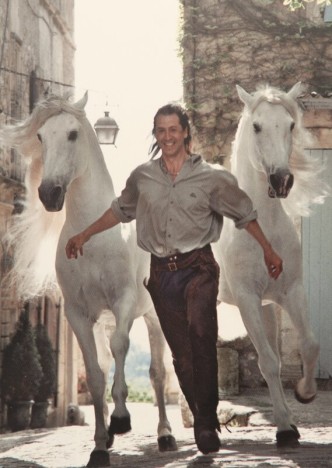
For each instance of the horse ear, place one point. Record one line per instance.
(296, 90)
(82, 102)
(245, 97)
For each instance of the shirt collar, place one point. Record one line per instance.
(193, 160)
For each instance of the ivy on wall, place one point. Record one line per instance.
(229, 42)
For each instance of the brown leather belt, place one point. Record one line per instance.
(178, 261)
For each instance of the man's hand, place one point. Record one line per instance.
(272, 259)
(273, 263)
(75, 245)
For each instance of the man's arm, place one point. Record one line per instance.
(272, 259)
(75, 243)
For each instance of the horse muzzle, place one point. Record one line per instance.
(52, 196)
(280, 184)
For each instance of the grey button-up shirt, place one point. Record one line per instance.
(177, 216)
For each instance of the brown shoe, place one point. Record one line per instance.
(207, 441)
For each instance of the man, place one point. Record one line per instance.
(179, 201)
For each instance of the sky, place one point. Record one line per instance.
(127, 57)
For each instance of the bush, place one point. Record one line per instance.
(47, 385)
(21, 369)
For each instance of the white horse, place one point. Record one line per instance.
(66, 167)
(268, 159)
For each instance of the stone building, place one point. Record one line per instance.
(36, 58)
(250, 43)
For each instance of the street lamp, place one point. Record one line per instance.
(106, 129)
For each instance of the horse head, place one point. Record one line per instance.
(272, 117)
(62, 139)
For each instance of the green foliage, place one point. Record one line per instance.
(296, 4)
(137, 375)
(21, 369)
(47, 385)
(139, 394)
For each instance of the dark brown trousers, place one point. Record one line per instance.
(184, 291)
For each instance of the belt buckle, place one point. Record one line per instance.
(172, 266)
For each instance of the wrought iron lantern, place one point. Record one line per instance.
(106, 129)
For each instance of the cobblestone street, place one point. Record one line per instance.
(243, 447)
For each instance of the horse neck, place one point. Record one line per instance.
(90, 194)
(248, 178)
(252, 181)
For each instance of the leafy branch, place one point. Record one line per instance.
(296, 4)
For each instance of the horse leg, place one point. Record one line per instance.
(104, 360)
(271, 326)
(296, 305)
(269, 364)
(83, 329)
(166, 441)
(119, 342)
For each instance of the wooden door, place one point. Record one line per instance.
(317, 265)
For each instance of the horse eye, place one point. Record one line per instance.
(257, 127)
(39, 137)
(292, 126)
(73, 135)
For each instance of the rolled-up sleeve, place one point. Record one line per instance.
(124, 207)
(227, 199)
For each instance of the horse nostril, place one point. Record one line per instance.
(51, 196)
(281, 183)
(55, 193)
(290, 182)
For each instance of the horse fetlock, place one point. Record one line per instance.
(164, 429)
(305, 391)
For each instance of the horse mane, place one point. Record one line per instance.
(309, 187)
(34, 234)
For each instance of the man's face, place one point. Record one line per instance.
(170, 135)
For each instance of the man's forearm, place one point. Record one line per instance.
(255, 231)
(106, 221)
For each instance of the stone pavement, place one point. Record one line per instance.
(244, 447)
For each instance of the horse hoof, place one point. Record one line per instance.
(119, 425)
(300, 399)
(99, 458)
(167, 444)
(288, 439)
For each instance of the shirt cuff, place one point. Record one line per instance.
(242, 223)
(119, 213)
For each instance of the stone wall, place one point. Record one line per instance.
(36, 58)
(251, 42)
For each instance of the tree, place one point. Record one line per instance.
(296, 4)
